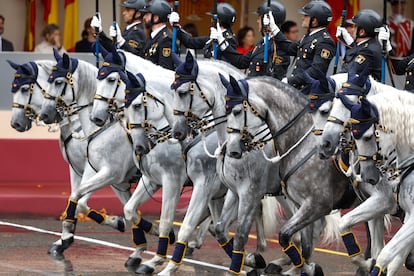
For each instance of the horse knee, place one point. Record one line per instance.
(219, 229)
(129, 212)
(284, 239)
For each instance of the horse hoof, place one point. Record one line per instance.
(253, 272)
(144, 269)
(56, 251)
(121, 224)
(132, 264)
(66, 243)
(273, 269)
(409, 262)
(259, 261)
(318, 270)
(189, 252)
(171, 235)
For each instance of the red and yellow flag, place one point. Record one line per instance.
(70, 28)
(29, 39)
(337, 7)
(51, 11)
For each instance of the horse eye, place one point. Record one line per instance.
(58, 82)
(111, 79)
(236, 112)
(324, 112)
(137, 106)
(367, 138)
(24, 89)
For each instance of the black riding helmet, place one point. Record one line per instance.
(368, 20)
(161, 8)
(277, 8)
(318, 9)
(137, 5)
(226, 14)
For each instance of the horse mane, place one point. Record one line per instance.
(396, 112)
(146, 67)
(223, 66)
(87, 81)
(46, 65)
(339, 79)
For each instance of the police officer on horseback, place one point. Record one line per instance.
(316, 49)
(279, 59)
(366, 47)
(226, 17)
(133, 38)
(158, 47)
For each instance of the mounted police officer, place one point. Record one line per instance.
(279, 58)
(158, 48)
(316, 49)
(226, 17)
(366, 47)
(133, 38)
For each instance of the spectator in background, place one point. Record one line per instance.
(402, 38)
(5, 46)
(88, 38)
(290, 30)
(245, 40)
(51, 39)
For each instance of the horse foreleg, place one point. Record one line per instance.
(170, 194)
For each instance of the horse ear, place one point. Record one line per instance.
(56, 54)
(66, 61)
(13, 65)
(224, 81)
(103, 52)
(176, 59)
(189, 61)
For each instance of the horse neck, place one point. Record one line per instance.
(166, 98)
(85, 93)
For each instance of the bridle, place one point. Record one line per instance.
(153, 134)
(112, 104)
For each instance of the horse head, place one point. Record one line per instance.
(111, 84)
(357, 85)
(184, 100)
(62, 87)
(239, 117)
(27, 87)
(364, 117)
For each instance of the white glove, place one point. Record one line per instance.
(116, 32)
(341, 32)
(216, 34)
(174, 18)
(384, 34)
(269, 20)
(96, 22)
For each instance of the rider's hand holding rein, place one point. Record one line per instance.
(216, 34)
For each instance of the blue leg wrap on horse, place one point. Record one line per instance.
(237, 261)
(138, 236)
(351, 244)
(376, 271)
(228, 247)
(96, 216)
(293, 253)
(179, 252)
(163, 246)
(69, 214)
(145, 225)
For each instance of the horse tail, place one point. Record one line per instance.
(331, 233)
(387, 222)
(273, 216)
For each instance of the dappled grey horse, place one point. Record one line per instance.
(200, 168)
(108, 151)
(283, 109)
(382, 128)
(30, 81)
(347, 89)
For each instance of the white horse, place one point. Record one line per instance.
(28, 85)
(108, 151)
(324, 106)
(208, 190)
(382, 127)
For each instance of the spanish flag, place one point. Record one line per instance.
(337, 7)
(51, 11)
(71, 33)
(29, 39)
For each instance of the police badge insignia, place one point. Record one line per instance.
(360, 59)
(325, 53)
(166, 52)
